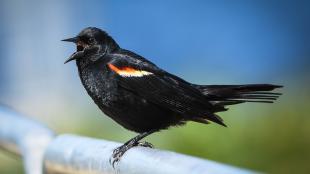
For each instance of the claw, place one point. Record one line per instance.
(120, 151)
(117, 154)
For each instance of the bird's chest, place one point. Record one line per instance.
(99, 84)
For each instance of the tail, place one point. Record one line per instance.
(223, 95)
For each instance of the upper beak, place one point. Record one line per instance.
(73, 39)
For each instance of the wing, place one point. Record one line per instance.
(146, 80)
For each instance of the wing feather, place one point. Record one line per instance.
(161, 88)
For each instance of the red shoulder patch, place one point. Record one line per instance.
(128, 71)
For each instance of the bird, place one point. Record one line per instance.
(142, 97)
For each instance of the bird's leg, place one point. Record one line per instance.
(145, 144)
(119, 152)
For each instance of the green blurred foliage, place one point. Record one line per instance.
(10, 164)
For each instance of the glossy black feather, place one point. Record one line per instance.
(235, 94)
(164, 89)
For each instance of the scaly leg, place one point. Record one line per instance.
(120, 151)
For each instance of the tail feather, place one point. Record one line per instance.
(235, 94)
(223, 95)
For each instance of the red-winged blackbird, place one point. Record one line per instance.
(144, 98)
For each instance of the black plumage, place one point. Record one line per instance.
(144, 98)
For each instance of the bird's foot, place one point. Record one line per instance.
(120, 151)
(117, 154)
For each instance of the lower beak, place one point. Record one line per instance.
(70, 59)
(75, 56)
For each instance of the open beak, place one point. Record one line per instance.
(75, 55)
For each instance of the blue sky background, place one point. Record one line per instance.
(206, 42)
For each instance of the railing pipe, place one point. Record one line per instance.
(24, 137)
(71, 154)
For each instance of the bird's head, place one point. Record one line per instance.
(91, 41)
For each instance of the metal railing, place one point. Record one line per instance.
(42, 152)
(25, 137)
